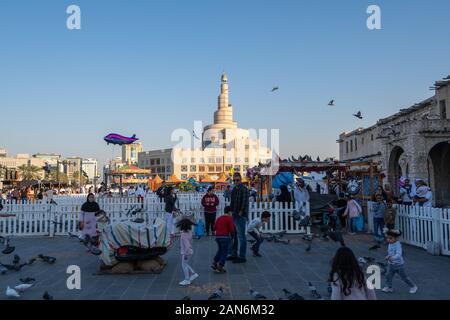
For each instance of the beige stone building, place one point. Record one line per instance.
(414, 142)
(223, 148)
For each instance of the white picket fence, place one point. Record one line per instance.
(45, 219)
(150, 198)
(421, 225)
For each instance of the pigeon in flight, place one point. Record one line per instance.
(358, 115)
(274, 89)
(256, 295)
(217, 295)
(331, 103)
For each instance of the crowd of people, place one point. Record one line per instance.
(230, 229)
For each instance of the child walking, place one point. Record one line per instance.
(190, 275)
(224, 233)
(396, 263)
(253, 229)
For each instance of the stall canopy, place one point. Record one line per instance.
(173, 179)
(206, 179)
(157, 182)
(222, 178)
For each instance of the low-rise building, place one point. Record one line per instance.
(414, 143)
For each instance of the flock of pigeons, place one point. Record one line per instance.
(255, 295)
(331, 104)
(16, 265)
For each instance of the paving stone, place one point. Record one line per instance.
(282, 266)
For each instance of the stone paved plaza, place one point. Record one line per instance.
(282, 266)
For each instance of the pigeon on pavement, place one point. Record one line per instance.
(22, 287)
(217, 295)
(256, 295)
(12, 293)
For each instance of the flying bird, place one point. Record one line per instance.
(274, 89)
(22, 287)
(217, 295)
(331, 103)
(358, 115)
(256, 295)
(314, 292)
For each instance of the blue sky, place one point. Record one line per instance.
(149, 67)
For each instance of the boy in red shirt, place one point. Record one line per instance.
(224, 232)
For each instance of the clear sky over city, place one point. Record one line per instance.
(149, 67)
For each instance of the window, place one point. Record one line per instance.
(192, 160)
(183, 168)
(168, 169)
(228, 168)
(201, 168)
(229, 160)
(183, 176)
(351, 145)
(158, 161)
(218, 168)
(193, 168)
(163, 161)
(246, 160)
(219, 159)
(211, 168)
(356, 144)
(443, 109)
(152, 162)
(184, 160)
(211, 160)
(371, 137)
(346, 146)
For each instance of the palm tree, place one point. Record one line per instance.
(29, 172)
(60, 177)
